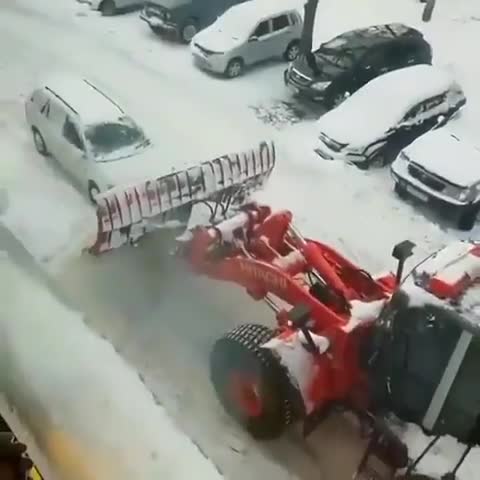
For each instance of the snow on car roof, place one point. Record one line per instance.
(381, 103)
(446, 155)
(87, 100)
(371, 35)
(256, 10)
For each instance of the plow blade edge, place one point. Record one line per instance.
(124, 214)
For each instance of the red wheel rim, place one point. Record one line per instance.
(245, 393)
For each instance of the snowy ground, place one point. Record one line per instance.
(104, 413)
(164, 326)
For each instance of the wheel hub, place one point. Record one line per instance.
(245, 394)
(189, 32)
(235, 69)
(293, 53)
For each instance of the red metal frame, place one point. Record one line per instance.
(262, 252)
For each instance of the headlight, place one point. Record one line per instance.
(462, 194)
(468, 194)
(320, 86)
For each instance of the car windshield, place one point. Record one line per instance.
(112, 140)
(333, 61)
(335, 43)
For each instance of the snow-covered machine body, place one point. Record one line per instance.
(430, 338)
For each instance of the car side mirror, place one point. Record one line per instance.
(253, 38)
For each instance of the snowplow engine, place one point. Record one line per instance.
(425, 352)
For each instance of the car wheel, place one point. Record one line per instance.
(156, 30)
(292, 51)
(39, 142)
(400, 191)
(108, 8)
(93, 191)
(468, 218)
(336, 98)
(234, 68)
(188, 31)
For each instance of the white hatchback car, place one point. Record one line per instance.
(442, 170)
(246, 34)
(89, 134)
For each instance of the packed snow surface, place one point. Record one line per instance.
(447, 155)
(443, 457)
(89, 409)
(386, 99)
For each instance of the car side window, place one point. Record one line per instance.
(280, 22)
(262, 29)
(432, 102)
(293, 19)
(396, 55)
(373, 60)
(413, 112)
(71, 134)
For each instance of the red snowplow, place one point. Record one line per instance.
(344, 340)
(324, 305)
(341, 337)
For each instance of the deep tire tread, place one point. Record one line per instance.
(251, 337)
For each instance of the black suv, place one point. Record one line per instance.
(342, 65)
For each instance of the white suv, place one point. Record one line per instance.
(89, 134)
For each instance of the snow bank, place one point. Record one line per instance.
(79, 398)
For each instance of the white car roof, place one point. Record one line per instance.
(87, 100)
(382, 102)
(254, 11)
(447, 155)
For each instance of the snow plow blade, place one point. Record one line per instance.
(124, 214)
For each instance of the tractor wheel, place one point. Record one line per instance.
(251, 384)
